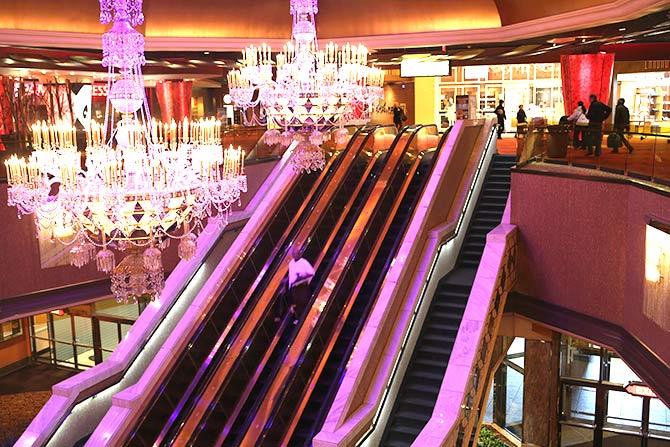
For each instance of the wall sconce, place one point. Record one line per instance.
(657, 254)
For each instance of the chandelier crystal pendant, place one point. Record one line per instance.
(305, 90)
(140, 183)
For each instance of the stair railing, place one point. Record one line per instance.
(461, 402)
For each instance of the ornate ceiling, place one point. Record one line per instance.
(75, 22)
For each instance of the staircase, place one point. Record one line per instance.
(423, 378)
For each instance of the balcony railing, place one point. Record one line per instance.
(649, 159)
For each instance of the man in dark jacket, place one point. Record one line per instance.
(621, 124)
(521, 121)
(597, 114)
(500, 113)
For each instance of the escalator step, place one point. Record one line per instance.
(434, 378)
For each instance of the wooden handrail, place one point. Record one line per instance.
(264, 412)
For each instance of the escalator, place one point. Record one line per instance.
(281, 227)
(418, 393)
(307, 421)
(271, 408)
(229, 408)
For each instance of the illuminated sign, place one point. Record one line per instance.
(81, 104)
(413, 68)
(640, 389)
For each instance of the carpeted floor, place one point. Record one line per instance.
(33, 377)
(506, 145)
(22, 394)
(17, 412)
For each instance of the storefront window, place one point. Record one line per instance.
(10, 329)
(536, 86)
(659, 418)
(623, 411)
(84, 336)
(580, 360)
(505, 404)
(595, 407)
(579, 404)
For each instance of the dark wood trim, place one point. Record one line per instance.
(640, 357)
(661, 189)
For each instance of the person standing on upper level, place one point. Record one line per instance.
(580, 124)
(597, 114)
(500, 114)
(622, 124)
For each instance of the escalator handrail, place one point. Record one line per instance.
(330, 396)
(271, 273)
(451, 236)
(280, 394)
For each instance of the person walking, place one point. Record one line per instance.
(399, 116)
(622, 124)
(300, 273)
(597, 114)
(580, 123)
(500, 113)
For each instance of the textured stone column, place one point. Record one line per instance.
(540, 392)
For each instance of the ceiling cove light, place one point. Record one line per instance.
(306, 90)
(139, 184)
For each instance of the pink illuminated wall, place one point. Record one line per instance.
(583, 75)
(582, 247)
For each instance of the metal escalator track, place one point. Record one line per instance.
(418, 392)
(307, 421)
(262, 342)
(285, 221)
(292, 370)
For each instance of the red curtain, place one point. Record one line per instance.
(5, 112)
(174, 99)
(583, 75)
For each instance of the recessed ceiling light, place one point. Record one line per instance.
(206, 52)
(9, 61)
(34, 60)
(622, 29)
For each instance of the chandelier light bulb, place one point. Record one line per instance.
(313, 89)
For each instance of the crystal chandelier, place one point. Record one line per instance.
(139, 183)
(309, 90)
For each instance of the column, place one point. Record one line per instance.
(583, 75)
(541, 391)
(426, 100)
